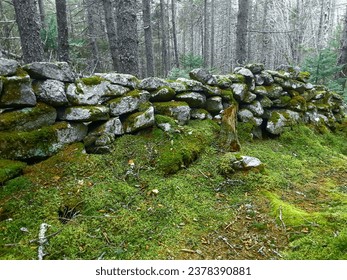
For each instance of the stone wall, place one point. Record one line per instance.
(44, 106)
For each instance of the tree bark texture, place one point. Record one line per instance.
(63, 31)
(29, 29)
(111, 32)
(91, 23)
(343, 53)
(241, 32)
(147, 26)
(164, 52)
(127, 37)
(174, 32)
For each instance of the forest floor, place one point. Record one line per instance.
(166, 196)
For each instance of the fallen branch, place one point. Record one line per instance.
(42, 240)
(283, 224)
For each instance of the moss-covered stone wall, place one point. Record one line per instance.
(44, 106)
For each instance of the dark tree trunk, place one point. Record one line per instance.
(241, 32)
(174, 33)
(205, 35)
(163, 39)
(127, 37)
(91, 20)
(63, 31)
(42, 13)
(147, 26)
(343, 53)
(29, 29)
(212, 32)
(111, 32)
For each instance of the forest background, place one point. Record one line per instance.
(168, 38)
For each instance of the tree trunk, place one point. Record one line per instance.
(147, 26)
(127, 37)
(205, 36)
(343, 53)
(63, 33)
(42, 14)
(163, 39)
(111, 32)
(29, 29)
(265, 38)
(91, 22)
(241, 32)
(174, 33)
(212, 33)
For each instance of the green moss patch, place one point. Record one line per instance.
(10, 169)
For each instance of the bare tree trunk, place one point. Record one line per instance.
(174, 33)
(163, 39)
(63, 33)
(127, 37)
(91, 20)
(241, 32)
(265, 38)
(29, 29)
(212, 33)
(111, 32)
(147, 26)
(42, 14)
(205, 36)
(343, 53)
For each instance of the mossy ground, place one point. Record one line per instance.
(163, 196)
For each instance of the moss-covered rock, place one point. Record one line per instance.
(39, 143)
(176, 109)
(128, 103)
(28, 118)
(84, 113)
(193, 99)
(8, 67)
(17, 92)
(200, 114)
(152, 83)
(124, 80)
(214, 105)
(10, 169)
(60, 71)
(279, 120)
(162, 94)
(140, 120)
(51, 92)
(203, 76)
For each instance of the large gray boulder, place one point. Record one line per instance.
(40, 143)
(102, 134)
(60, 71)
(162, 94)
(17, 92)
(240, 91)
(51, 92)
(83, 93)
(140, 120)
(152, 83)
(128, 103)
(125, 80)
(280, 119)
(84, 113)
(203, 76)
(192, 85)
(8, 67)
(178, 110)
(246, 116)
(28, 118)
(193, 99)
(214, 105)
(256, 108)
